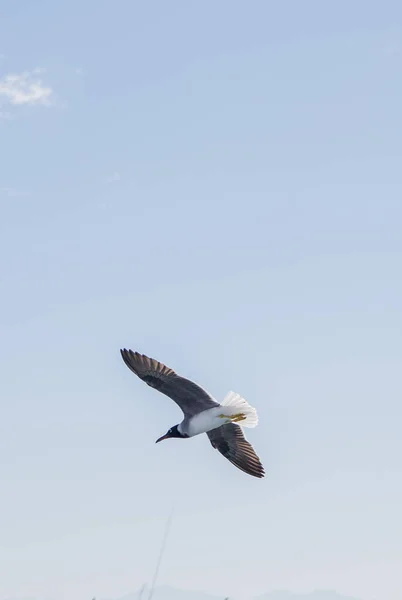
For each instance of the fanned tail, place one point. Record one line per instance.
(240, 410)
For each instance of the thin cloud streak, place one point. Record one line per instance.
(26, 88)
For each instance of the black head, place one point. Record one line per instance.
(172, 433)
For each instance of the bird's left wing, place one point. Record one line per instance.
(230, 441)
(191, 398)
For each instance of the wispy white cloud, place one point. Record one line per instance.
(12, 192)
(26, 88)
(114, 177)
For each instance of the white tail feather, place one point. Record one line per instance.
(237, 404)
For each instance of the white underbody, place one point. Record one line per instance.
(234, 409)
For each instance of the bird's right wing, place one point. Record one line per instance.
(229, 440)
(191, 398)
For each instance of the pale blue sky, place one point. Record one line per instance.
(219, 186)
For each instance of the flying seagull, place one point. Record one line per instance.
(202, 414)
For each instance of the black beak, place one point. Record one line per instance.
(164, 437)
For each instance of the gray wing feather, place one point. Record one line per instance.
(229, 440)
(189, 396)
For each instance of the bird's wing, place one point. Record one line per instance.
(191, 398)
(229, 440)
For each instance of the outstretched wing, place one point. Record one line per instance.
(229, 440)
(191, 398)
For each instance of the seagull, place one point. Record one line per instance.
(202, 414)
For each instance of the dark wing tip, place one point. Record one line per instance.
(130, 359)
(254, 470)
(252, 466)
(260, 473)
(230, 441)
(145, 367)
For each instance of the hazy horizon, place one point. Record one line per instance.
(165, 592)
(217, 185)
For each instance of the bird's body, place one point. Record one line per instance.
(234, 409)
(202, 413)
(205, 421)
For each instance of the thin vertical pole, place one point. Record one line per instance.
(161, 553)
